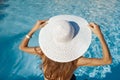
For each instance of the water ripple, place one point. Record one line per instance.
(18, 17)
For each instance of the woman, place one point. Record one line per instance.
(64, 71)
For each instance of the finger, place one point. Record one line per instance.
(94, 24)
(43, 20)
(43, 24)
(40, 21)
(90, 26)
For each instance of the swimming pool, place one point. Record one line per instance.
(17, 17)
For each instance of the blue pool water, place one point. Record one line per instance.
(17, 17)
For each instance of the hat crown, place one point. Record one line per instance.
(63, 31)
(52, 38)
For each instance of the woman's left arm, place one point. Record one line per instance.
(24, 44)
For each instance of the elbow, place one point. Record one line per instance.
(21, 47)
(109, 61)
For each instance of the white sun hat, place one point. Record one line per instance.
(65, 38)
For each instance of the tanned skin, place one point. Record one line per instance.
(82, 61)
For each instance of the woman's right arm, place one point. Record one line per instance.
(106, 59)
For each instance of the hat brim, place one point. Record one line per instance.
(68, 51)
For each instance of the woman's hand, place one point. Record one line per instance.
(39, 24)
(95, 28)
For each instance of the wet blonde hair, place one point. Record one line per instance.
(56, 70)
